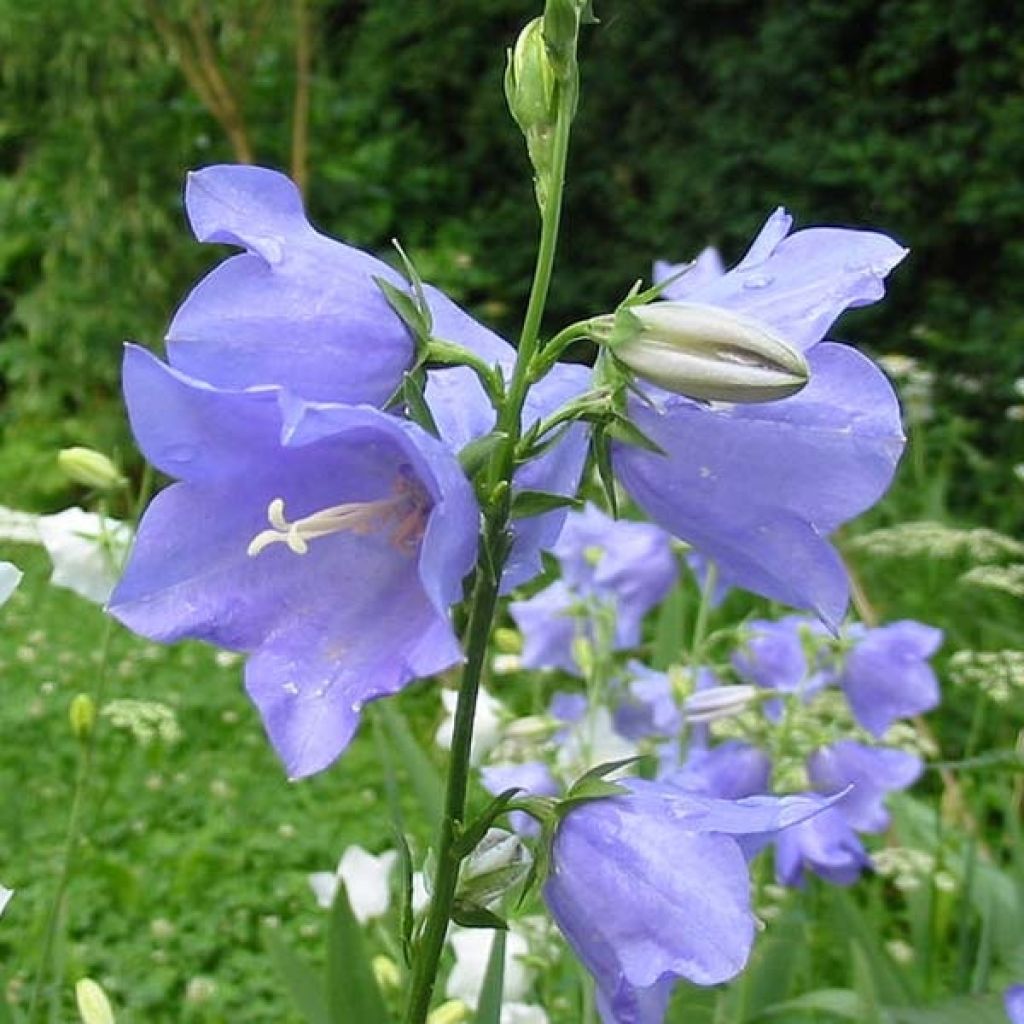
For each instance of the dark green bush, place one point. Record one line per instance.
(697, 119)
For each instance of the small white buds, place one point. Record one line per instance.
(718, 702)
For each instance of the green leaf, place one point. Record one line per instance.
(625, 430)
(669, 630)
(426, 779)
(405, 306)
(536, 503)
(303, 983)
(961, 1010)
(352, 993)
(416, 404)
(892, 987)
(600, 450)
(838, 1002)
(475, 456)
(489, 1008)
(476, 830)
(472, 915)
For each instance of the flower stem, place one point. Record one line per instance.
(86, 750)
(484, 598)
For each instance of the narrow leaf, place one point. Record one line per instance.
(423, 773)
(302, 981)
(416, 405)
(352, 993)
(536, 503)
(489, 1007)
(472, 915)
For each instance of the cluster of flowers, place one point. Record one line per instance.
(319, 528)
(657, 881)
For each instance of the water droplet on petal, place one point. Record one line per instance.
(291, 689)
(758, 281)
(180, 453)
(270, 249)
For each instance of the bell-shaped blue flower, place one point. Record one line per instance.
(326, 541)
(757, 488)
(652, 887)
(887, 676)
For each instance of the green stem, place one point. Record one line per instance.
(485, 596)
(428, 953)
(86, 752)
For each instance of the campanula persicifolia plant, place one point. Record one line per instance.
(361, 470)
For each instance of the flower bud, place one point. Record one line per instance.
(704, 352)
(91, 468)
(82, 715)
(386, 972)
(499, 862)
(93, 1005)
(530, 81)
(455, 1011)
(718, 702)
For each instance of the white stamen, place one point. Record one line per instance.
(406, 511)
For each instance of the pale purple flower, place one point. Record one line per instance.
(772, 654)
(757, 488)
(825, 844)
(652, 887)
(622, 566)
(1013, 1000)
(647, 706)
(887, 676)
(534, 778)
(628, 563)
(550, 623)
(730, 770)
(302, 311)
(327, 541)
(870, 773)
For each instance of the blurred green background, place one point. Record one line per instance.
(697, 119)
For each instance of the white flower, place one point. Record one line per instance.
(10, 577)
(367, 881)
(86, 550)
(472, 948)
(487, 722)
(5, 898)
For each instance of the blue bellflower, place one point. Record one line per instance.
(887, 675)
(326, 541)
(628, 567)
(652, 887)
(757, 488)
(300, 310)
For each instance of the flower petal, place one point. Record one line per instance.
(798, 285)
(756, 488)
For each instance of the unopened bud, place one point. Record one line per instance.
(718, 702)
(455, 1011)
(93, 1005)
(82, 715)
(386, 972)
(704, 352)
(91, 468)
(508, 641)
(499, 862)
(530, 81)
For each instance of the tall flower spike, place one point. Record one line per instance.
(757, 488)
(352, 604)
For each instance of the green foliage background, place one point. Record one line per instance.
(697, 119)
